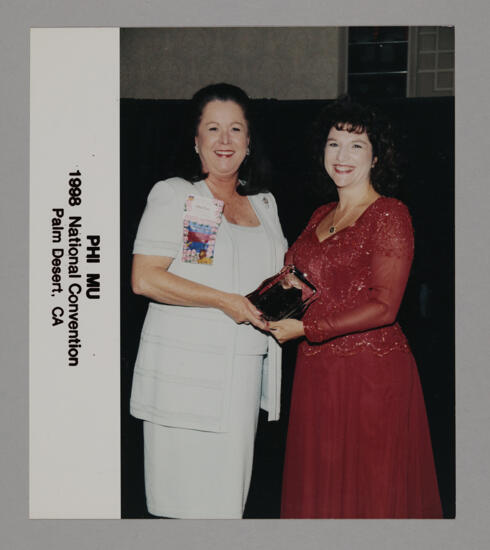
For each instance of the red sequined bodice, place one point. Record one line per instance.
(361, 273)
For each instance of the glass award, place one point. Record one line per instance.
(284, 295)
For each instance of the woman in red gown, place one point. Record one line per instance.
(358, 442)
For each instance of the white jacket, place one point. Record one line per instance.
(184, 368)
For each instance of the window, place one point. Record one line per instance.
(377, 62)
(431, 61)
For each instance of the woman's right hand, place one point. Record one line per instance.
(291, 281)
(151, 279)
(241, 310)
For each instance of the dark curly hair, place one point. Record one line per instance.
(188, 165)
(345, 114)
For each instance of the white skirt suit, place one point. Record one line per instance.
(199, 377)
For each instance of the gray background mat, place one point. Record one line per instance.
(471, 528)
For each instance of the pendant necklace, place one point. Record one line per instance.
(332, 228)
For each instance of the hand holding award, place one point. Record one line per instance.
(285, 295)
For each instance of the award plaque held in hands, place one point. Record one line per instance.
(284, 295)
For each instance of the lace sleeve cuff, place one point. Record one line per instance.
(315, 329)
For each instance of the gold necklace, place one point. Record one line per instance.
(333, 228)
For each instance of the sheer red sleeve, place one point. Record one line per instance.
(391, 258)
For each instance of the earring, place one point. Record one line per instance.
(248, 151)
(196, 149)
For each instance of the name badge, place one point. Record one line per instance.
(202, 217)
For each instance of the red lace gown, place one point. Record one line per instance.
(358, 443)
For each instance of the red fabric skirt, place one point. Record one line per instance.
(358, 441)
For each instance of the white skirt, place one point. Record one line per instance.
(204, 475)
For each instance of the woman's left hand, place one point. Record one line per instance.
(287, 329)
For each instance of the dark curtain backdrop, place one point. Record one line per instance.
(150, 134)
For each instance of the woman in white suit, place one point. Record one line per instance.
(204, 365)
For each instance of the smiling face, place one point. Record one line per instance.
(222, 138)
(348, 158)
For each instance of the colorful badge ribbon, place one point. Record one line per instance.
(202, 217)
